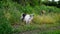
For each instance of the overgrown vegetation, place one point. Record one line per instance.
(5, 26)
(11, 10)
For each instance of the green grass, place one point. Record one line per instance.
(32, 27)
(50, 32)
(46, 32)
(10, 13)
(5, 26)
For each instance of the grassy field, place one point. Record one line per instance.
(10, 23)
(45, 24)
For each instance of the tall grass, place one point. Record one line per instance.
(10, 13)
(54, 18)
(5, 26)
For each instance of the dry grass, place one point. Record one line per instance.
(47, 19)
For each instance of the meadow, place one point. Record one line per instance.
(10, 22)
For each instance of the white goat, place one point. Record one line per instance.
(28, 18)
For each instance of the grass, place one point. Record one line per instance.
(40, 22)
(32, 27)
(45, 32)
(51, 32)
(46, 19)
(5, 26)
(10, 13)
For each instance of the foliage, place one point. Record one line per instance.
(5, 26)
(11, 10)
(28, 2)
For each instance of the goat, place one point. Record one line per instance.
(28, 18)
